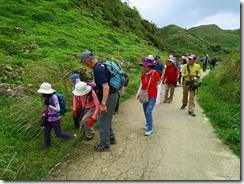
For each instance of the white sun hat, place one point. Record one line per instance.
(46, 88)
(81, 88)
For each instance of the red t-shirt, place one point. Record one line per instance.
(152, 89)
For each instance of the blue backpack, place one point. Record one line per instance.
(62, 104)
(118, 77)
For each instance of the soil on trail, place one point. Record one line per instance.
(181, 148)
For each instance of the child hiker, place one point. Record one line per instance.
(53, 121)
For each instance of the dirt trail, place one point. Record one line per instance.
(181, 148)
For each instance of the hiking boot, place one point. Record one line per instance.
(192, 114)
(183, 106)
(147, 133)
(100, 147)
(112, 141)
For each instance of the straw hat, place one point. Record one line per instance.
(81, 88)
(46, 88)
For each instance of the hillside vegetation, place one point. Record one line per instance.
(40, 41)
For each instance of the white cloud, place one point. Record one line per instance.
(189, 13)
(224, 21)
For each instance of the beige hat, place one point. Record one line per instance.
(150, 57)
(81, 88)
(46, 88)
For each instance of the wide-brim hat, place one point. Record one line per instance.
(46, 88)
(147, 62)
(81, 88)
(172, 60)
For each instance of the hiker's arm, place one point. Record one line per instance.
(105, 97)
(138, 92)
(56, 108)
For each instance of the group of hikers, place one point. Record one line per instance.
(99, 103)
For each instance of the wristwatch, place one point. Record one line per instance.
(103, 103)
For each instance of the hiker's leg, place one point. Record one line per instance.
(149, 109)
(105, 121)
(47, 134)
(59, 133)
(185, 93)
(88, 114)
(191, 105)
(172, 90)
(166, 92)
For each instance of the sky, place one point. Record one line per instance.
(190, 13)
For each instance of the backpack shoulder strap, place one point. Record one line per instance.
(188, 69)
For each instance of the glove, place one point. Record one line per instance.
(74, 113)
(91, 122)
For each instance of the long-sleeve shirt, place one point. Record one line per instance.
(83, 101)
(171, 74)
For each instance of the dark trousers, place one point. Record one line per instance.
(78, 118)
(180, 78)
(117, 105)
(57, 129)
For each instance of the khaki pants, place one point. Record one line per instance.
(169, 90)
(84, 128)
(191, 103)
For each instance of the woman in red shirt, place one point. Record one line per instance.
(150, 80)
(170, 79)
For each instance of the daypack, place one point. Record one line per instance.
(118, 77)
(93, 86)
(62, 104)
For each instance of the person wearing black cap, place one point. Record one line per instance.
(107, 96)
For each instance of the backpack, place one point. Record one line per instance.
(118, 77)
(62, 104)
(93, 85)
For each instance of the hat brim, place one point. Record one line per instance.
(50, 91)
(146, 64)
(81, 93)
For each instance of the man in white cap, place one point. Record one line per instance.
(194, 71)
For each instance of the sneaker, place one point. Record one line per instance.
(183, 106)
(100, 147)
(192, 114)
(147, 133)
(145, 127)
(90, 137)
(112, 141)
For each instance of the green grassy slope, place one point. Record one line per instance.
(213, 34)
(41, 41)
